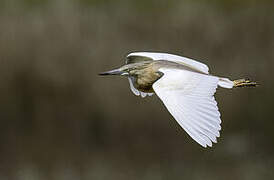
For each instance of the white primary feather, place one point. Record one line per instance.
(170, 57)
(188, 96)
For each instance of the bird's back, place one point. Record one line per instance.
(147, 72)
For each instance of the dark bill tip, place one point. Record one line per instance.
(103, 73)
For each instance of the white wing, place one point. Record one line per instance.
(135, 91)
(188, 96)
(141, 56)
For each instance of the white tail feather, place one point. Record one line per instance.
(225, 83)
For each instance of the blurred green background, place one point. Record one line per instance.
(61, 121)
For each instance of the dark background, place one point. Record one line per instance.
(61, 121)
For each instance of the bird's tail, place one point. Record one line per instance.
(226, 83)
(244, 83)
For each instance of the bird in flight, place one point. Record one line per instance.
(185, 87)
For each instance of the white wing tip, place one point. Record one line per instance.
(210, 142)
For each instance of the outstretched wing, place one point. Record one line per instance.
(148, 56)
(188, 96)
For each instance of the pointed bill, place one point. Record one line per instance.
(112, 72)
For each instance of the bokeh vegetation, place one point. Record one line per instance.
(59, 120)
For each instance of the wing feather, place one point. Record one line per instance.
(133, 89)
(188, 96)
(144, 56)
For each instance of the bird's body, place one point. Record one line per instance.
(185, 87)
(147, 72)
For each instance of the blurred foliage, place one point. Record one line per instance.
(147, 5)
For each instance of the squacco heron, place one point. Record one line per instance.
(185, 87)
